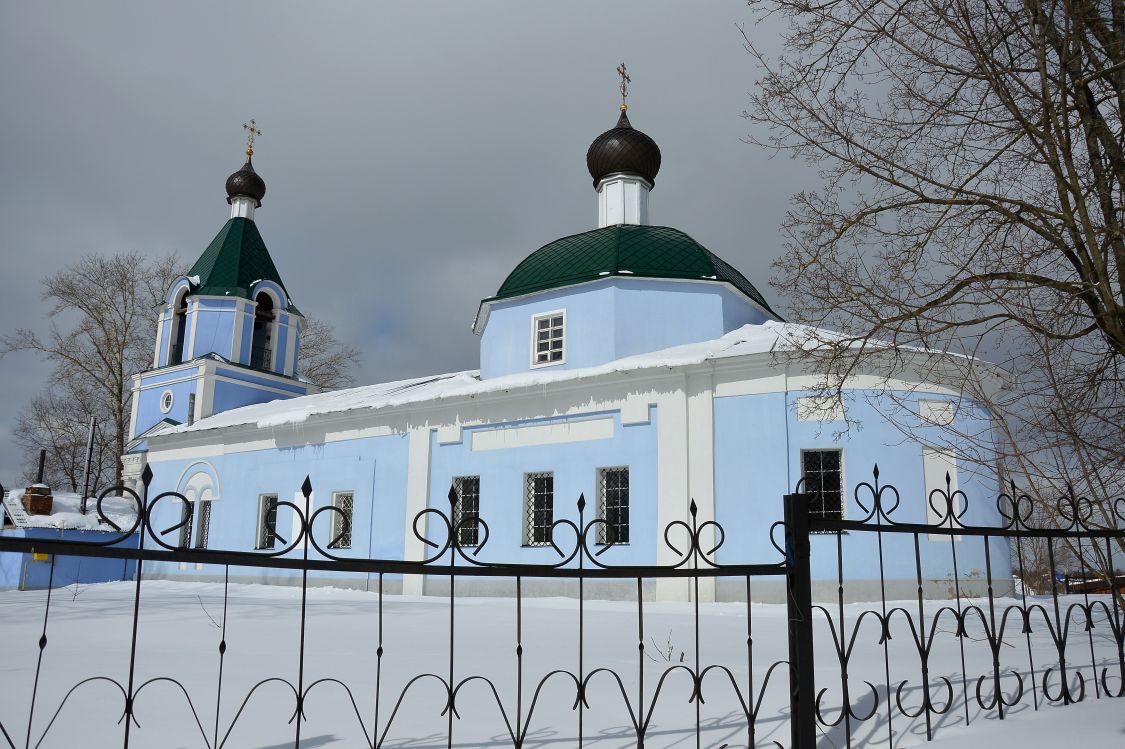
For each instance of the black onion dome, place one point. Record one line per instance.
(246, 182)
(623, 149)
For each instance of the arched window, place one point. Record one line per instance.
(179, 329)
(261, 345)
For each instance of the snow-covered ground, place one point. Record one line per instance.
(180, 629)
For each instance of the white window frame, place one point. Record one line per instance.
(843, 480)
(260, 542)
(529, 525)
(337, 521)
(603, 529)
(534, 338)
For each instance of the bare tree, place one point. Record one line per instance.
(972, 159)
(102, 329)
(324, 360)
(57, 420)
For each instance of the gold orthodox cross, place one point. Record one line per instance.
(625, 81)
(252, 130)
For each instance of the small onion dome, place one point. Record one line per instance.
(246, 183)
(623, 149)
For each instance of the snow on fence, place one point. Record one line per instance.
(226, 665)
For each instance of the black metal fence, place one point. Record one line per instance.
(659, 699)
(1014, 651)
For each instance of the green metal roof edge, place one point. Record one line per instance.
(723, 271)
(236, 254)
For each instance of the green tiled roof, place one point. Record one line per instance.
(624, 249)
(235, 260)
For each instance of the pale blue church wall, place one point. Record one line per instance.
(505, 346)
(758, 444)
(751, 457)
(612, 318)
(297, 354)
(295, 387)
(214, 327)
(247, 333)
(651, 315)
(153, 387)
(374, 468)
(574, 465)
(228, 395)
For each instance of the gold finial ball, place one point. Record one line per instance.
(624, 106)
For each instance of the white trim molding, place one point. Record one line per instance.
(551, 338)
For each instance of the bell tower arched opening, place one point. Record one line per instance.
(178, 347)
(261, 345)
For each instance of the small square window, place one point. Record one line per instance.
(822, 472)
(539, 494)
(547, 339)
(342, 521)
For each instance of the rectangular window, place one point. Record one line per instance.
(613, 505)
(547, 338)
(466, 511)
(186, 516)
(822, 472)
(341, 528)
(540, 513)
(203, 509)
(267, 521)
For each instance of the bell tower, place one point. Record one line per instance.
(228, 334)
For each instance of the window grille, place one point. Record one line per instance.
(267, 521)
(342, 523)
(466, 511)
(204, 510)
(823, 480)
(187, 516)
(613, 505)
(548, 331)
(539, 490)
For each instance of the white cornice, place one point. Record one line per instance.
(743, 375)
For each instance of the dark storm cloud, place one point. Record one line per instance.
(413, 152)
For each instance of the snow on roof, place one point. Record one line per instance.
(749, 339)
(66, 513)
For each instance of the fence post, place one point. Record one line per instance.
(798, 584)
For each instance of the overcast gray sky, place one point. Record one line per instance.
(413, 152)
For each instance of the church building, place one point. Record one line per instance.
(625, 363)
